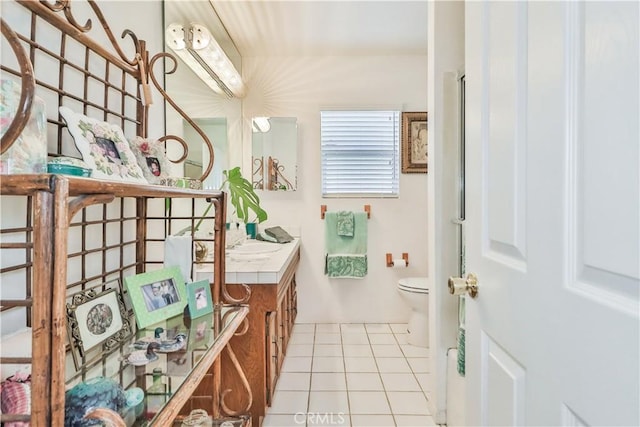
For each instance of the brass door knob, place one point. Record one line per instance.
(460, 285)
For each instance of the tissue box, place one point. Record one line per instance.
(28, 154)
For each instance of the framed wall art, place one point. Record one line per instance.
(104, 147)
(96, 316)
(199, 295)
(156, 295)
(414, 142)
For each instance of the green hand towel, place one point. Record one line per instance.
(346, 255)
(461, 335)
(345, 223)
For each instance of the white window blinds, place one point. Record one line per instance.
(360, 153)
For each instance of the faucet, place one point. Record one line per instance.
(235, 235)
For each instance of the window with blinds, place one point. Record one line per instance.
(360, 153)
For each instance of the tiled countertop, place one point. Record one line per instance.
(265, 269)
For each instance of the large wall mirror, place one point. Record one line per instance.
(274, 151)
(218, 116)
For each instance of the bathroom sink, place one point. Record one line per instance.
(255, 248)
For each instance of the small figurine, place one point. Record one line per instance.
(173, 345)
(142, 357)
(144, 342)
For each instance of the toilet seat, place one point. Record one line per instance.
(417, 285)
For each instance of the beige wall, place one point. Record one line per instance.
(301, 87)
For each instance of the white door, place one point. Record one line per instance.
(553, 160)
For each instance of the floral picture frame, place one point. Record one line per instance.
(97, 316)
(103, 147)
(151, 158)
(414, 142)
(199, 296)
(156, 295)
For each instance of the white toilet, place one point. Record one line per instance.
(415, 291)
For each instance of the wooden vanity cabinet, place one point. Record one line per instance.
(262, 348)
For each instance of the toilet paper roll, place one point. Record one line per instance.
(399, 263)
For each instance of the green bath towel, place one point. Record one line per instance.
(346, 255)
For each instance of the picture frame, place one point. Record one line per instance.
(103, 147)
(97, 316)
(414, 142)
(199, 297)
(200, 333)
(156, 295)
(151, 158)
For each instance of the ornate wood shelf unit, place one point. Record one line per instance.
(61, 235)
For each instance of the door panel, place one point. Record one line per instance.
(553, 230)
(505, 385)
(505, 145)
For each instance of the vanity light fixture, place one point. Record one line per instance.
(261, 124)
(201, 52)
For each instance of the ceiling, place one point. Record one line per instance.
(310, 27)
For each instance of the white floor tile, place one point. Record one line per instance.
(364, 381)
(354, 338)
(358, 350)
(289, 402)
(402, 338)
(414, 420)
(328, 364)
(399, 382)
(368, 402)
(377, 328)
(413, 351)
(328, 381)
(325, 338)
(299, 350)
(327, 350)
(351, 328)
(294, 381)
(284, 420)
(419, 364)
(328, 402)
(393, 364)
(296, 364)
(372, 421)
(328, 419)
(408, 403)
(424, 381)
(385, 350)
(352, 374)
(307, 328)
(361, 364)
(382, 339)
(331, 328)
(301, 338)
(399, 328)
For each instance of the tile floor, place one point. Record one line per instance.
(358, 375)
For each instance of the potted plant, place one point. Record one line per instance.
(242, 197)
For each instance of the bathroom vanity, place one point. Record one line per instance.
(270, 271)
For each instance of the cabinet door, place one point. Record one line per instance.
(293, 302)
(272, 351)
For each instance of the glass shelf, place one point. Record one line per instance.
(169, 381)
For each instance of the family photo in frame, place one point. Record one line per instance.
(157, 295)
(200, 301)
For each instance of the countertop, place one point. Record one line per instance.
(266, 268)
